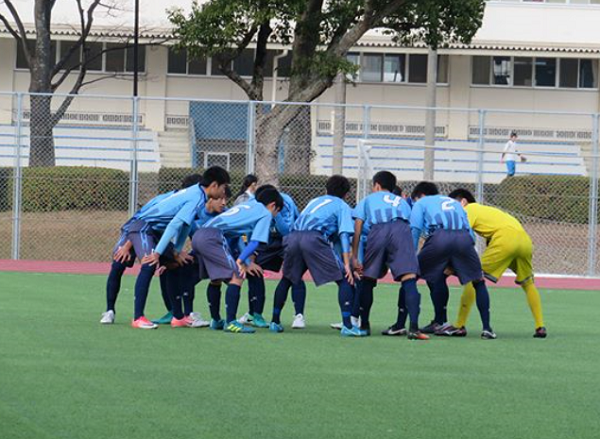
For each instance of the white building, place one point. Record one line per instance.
(533, 56)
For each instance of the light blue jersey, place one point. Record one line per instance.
(251, 219)
(146, 207)
(438, 212)
(326, 214)
(184, 204)
(202, 218)
(381, 207)
(285, 219)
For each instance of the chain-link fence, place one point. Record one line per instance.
(71, 175)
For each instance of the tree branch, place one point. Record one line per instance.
(15, 15)
(225, 68)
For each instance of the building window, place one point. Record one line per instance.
(94, 56)
(545, 72)
(523, 71)
(394, 68)
(354, 58)
(244, 64)
(284, 66)
(568, 72)
(480, 74)
(588, 73)
(442, 69)
(179, 64)
(371, 67)
(22, 62)
(501, 70)
(417, 69)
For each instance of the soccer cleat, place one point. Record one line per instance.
(488, 335)
(365, 329)
(337, 326)
(355, 331)
(258, 321)
(355, 321)
(108, 317)
(275, 327)
(245, 319)
(217, 325)
(431, 328)
(237, 328)
(143, 323)
(164, 320)
(444, 330)
(299, 322)
(540, 333)
(418, 335)
(395, 331)
(453, 331)
(197, 322)
(181, 323)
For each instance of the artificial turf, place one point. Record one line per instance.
(63, 375)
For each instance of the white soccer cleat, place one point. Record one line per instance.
(196, 321)
(246, 319)
(337, 326)
(299, 322)
(108, 317)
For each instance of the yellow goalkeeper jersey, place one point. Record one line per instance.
(488, 221)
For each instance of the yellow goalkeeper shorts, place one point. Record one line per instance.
(512, 250)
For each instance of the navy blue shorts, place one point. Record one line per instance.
(309, 250)
(450, 248)
(270, 256)
(143, 240)
(390, 245)
(215, 261)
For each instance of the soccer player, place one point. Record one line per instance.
(124, 255)
(169, 220)
(270, 257)
(216, 257)
(508, 246)
(449, 243)
(309, 247)
(384, 216)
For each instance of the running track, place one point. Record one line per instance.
(102, 268)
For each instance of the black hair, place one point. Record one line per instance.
(262, 188)
(513, 133)
(397, 191)
(423, 189)
(386, 180)
(338, 186)
(268, 196)
(191, 180)
(215, 174)
(228, 192)
(462, 193)
(248, 181)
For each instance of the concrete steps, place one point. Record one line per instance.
(174, 147)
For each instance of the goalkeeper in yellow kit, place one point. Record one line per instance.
(508, 246)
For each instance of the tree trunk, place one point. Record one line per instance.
(41, 140)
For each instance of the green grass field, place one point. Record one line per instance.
(63, 375)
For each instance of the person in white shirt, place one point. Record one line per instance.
(509, 155)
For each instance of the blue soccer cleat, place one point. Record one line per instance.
(258, 321)
(236, 327)
(355, 331)
(275, 327)
(217, 325)
(164, 320)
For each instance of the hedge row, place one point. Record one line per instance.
(554, 198)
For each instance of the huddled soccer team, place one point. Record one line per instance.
(354, 248)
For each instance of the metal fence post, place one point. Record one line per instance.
(250, 137)
(593, 201)
(480, 149)
(17, 183)
(363, 184)
(133, 170)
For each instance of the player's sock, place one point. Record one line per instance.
(188, 287)
(281, 292)
(113, 284)
(366, 301)
(213, 296)
(413, 302)
(466, 303)
(482, 298)
(256, 291)
(232, 301)
(356, 302)
(299, 297)
(402, 313)
(142, 285)
(174, 288)
(164, 292)
(535, 302)
(345, 297)
(439, 296)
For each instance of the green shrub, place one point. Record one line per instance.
(67, 188)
